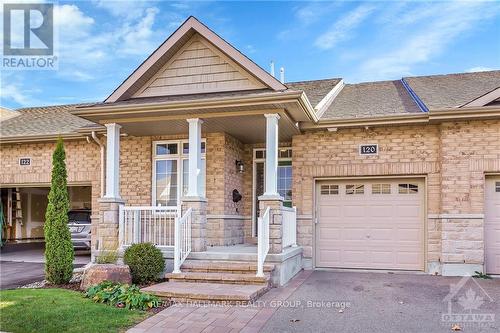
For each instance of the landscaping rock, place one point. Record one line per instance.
(95, 274)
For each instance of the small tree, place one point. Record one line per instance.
(59, 251)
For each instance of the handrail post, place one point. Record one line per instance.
(294, 228)
(260, 239)
(177, 249)
(121, 226)
(137, 226)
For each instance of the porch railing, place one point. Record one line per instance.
(144, 224)
(289, 226)
(182, 241)
(263, 241)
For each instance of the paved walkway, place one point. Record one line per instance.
(327, 301)
(220, 318)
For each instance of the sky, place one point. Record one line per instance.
(99, 42)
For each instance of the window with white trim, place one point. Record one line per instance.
(355, 189)
(171, 171)
(381, 188)
(408, 188)
(329, 189)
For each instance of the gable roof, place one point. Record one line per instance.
(371, 99)
(44, 121)
(453, 90)
(173, 44)
(315, 90)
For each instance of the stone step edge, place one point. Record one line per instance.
(233, 278)
(189, 297)
(207, 266)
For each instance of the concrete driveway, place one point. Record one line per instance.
(21, 264)
(381, 302)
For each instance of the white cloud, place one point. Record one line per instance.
(342, 30)
(437, 27)
(140, 37)
(479, 69)
(13, 92)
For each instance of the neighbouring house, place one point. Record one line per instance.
(213, 159)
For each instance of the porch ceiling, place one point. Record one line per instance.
(246, 128)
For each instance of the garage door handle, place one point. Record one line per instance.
(367, 236)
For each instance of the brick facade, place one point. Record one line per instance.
(82, 163)
(453, 157)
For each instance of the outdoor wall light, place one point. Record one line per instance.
(239, 166)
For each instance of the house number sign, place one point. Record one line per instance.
(368, 149)
(24, 161)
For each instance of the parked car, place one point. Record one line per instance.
(79, 226)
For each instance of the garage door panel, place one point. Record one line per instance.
(492, 225)
(329, 211)
(330, 234)
(353, 210)
(371, 230)
(407, 211)
(381, 234)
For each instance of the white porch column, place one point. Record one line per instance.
(194, 157)
(113, 161)
(271, 189)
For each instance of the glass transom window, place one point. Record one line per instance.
(171, 171)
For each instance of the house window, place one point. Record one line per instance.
(408, 188)
(285, 182)
(355, 189)
(171, 171)
(284, 178)
(381, 189)
(329, 189)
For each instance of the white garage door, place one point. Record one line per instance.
(375, 224)
(492, 225)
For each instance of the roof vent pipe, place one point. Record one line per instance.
(272, 68)
(282, 75)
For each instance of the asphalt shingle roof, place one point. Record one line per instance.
(362, 100)
(453, 90)
(46, 120)
(315, 90)
(371, 99)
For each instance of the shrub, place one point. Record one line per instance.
(59, 251)
(145, 261)
(107, 257)
(122, 295)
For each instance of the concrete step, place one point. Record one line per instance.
(218, 277)
(223, 267)
(206, 292)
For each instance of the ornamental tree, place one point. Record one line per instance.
(59, 253)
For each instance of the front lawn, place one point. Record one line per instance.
(60, 310)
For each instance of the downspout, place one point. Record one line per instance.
(103, 160)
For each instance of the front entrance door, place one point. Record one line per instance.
(284, 179)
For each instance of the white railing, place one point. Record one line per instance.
(263, 241)
(289, 225)
(182, 242)
(145, 224)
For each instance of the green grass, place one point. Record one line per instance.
(60, 310)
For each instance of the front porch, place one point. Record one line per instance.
(205, 208)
